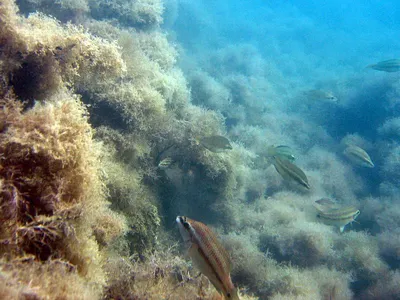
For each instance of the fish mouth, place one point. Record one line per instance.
(179, 220)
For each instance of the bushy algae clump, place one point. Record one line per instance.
(52, 198)
(145, 14)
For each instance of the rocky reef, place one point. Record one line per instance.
(92, 100)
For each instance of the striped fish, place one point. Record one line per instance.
(358, 156)
(325, 202)
(166, 163)
(282, 151)
(290, 171)
(390, 65)
(338, 216)
(208, 255)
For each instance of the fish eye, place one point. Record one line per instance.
(183, 221)
(228, 295)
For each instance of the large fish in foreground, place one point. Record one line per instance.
(208, 255)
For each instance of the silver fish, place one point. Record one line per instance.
(390, 65)
(290, 171)
(166, 163)
(325, 202)
(282, 151)
(320, 95)
(208, 255)
(358, 156)
(339, 216)
(215, 143)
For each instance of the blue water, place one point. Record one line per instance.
(298, 45)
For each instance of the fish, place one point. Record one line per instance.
(325, 202)
(358, 156)
(282, 151)
(320, 95)
(208, 255)
(166, 163)
(290, 172)
(390, 65)
(215, 143)
(338, 216)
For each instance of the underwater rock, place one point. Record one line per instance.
(52, 195)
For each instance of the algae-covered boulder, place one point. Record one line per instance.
(52, 196)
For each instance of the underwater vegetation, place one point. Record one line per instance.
(109, 130)
(53, 204)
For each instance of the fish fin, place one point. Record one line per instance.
(341, 229)
(233, 295)
(192, 250)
